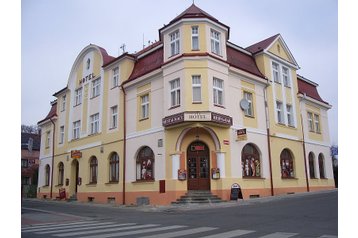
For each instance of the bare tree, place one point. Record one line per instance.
(33, 129)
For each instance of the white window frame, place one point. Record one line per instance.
(96, 87)
(94, 124)
(114, 117)
(48, 139)
(289, 112)
(317, 124)
(279, 112)
(63, 103)
(250, 110)
(276, 72)
(174, 43)
(144, 102)
(76, 129)
(196, 85)
(215, 42)
(286, 76)
(174, 92)
(218, 92)
(62, 134)
(78, 96)
(310, 121)
(195, 37)
(115, 79)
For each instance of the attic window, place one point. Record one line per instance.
(88, 63)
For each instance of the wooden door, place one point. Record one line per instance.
(198, 163)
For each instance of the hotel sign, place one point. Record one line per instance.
(241, 134)
(76, 154)
(87, 78)
(197, 117)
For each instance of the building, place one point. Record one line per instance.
(192, 111)
(30, 151)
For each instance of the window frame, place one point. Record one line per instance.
(144, 155)
(115, 77)
(114, 117)
(249, 97)
(286, 77)
(96, 88)
(196, 85)
(276, 72)
(289, 114)
(114, 167)
(311, 165)
(250, 162)
(61, 170)
(317, 124)
(287, 157)
(215, 40)
(62, 134)
(321, 164)
(63, 108)
(94, 124)
(76, 129)
(144, 106)
(78, 97)
(93, 170)
(175, 97)
(174, 39)
(279, 112)
(48, 139)
(195, 38)
(218, 92)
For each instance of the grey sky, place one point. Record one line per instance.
(54, 32)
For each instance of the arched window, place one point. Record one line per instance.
(311, 165)
(145, 164)
(321, 166)
(60, 173)
(114, 168)
(47, 175)
(93, 170)
(286, 161)
(250, 161)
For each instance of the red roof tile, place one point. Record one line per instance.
(309, 89)
(242, 61)
(105, 56)
(193, 12)
(260, 46)
(51, 114)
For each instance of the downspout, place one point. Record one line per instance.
(268, 136)
(124, 146)
(53, 154)
(304, 154)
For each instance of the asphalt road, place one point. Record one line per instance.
(300, 215)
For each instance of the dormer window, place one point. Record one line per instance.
(88, 64)
(215, 42)
(174, 43)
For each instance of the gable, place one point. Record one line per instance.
(279, 50)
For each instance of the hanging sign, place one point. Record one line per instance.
(215, 173)
(181, 174)
(76, 154)
(241, 134)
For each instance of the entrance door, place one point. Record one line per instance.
(74, 177)
(198, 162)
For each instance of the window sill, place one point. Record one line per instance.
(59, 185)
(77, 105)
(289, 178)
(250, 116)
(112, 182)
(176, 106)
(94, 184)
(144, 181)
(112, 128)
(95, 134)
(253, 177)
(197, 102)
(277, 82)
(195, 49)
(94, 96)
(218, 105)
(117, 86)
(216, 54)
(143, 119)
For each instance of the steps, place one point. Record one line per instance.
(198, 197)
(72, 198)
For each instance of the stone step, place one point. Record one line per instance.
(198, 197)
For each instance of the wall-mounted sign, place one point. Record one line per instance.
(215, 173)
(241, 134)
(226, 142)
(76, 154)
(197, 116)
(197, 148)
(181, 174)
(87, 78)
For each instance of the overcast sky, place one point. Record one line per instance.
(53, 33)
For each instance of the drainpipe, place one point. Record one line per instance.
(53, 155)
(268, 135)
(304, 154)
(124, 146)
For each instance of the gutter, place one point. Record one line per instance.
(53, 155)
(124, 145)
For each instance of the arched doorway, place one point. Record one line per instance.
(74, 176)
(198, 164)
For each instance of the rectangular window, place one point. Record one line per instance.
(76, 129)
(115, 80)
(48, 139)
(215, 42)
(310, 121)
(94, 123)
(218, 91)
(286, 77)
(62, 134)
(24, 163)
(174, 43)
(275, 72)
(63, 103)
(96, 87)
(279, 112)
(250, 110)
(78, 96)
(290, 120)
(114, 117)
(144, 106)
(175, 92)
(196, 82)
(195, 38)
(316, 123)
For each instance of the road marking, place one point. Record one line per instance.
(53, 224)
(279, 235)
(62, 226)
(229, 234)
(96, 226)
(134, 232)
(181, 233)
(328, 236)
(105, 230)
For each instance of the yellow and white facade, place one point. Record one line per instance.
(193, 111)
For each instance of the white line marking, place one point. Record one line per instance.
(279, 235)
(229, 234)
(328, 236)
(54, 224)
(63, 227)
(182, 232)
(62, 231)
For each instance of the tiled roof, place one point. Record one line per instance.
(193, 12)
(105, 56)
(25, 139)
(260, 46)
(242, 61)
(51, 114)
(304, 87)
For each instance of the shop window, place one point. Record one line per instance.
(60, 173)
(250, 161)
(114, 168)
(145, 164)
(93, 170)
(311, 165)
(321, 166)
(286, 161)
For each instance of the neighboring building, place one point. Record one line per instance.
(192, 111)
(30, 151)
